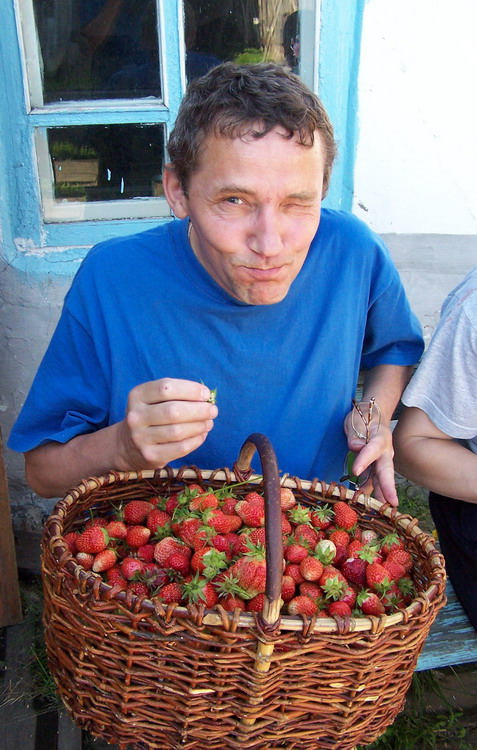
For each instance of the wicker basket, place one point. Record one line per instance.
(144, 675)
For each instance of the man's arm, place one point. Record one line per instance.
(165, 420)
(429, 457)
(385, 383)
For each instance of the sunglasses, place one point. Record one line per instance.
(365, 422)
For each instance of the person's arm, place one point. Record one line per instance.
(427, 456)
(165, 420)
(385, 383)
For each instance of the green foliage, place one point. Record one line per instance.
(413, 502)
(66, 150)
(249, 56)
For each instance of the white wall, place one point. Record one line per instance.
(416, 169)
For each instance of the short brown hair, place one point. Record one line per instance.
(231, 98)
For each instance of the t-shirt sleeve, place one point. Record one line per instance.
(69, 395)
(444, 385)
(393, 333)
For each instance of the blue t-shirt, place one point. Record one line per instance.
(143, 307)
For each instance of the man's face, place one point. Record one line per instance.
(254, 204)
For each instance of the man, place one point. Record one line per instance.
(252, 289)
(436, 436)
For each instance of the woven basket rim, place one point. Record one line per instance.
(287, 622)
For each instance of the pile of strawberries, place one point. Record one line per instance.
(208, 547)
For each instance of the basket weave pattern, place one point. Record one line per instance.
(147, 676)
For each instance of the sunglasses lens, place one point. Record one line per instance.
(348, 475)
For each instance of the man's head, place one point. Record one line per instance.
(236, 100)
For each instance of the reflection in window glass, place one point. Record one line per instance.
(98, 49)
(244, 31)
(106, 162)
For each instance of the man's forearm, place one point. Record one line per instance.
(386, 383)
(52, 469)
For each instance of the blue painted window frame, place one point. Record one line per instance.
(31, 244)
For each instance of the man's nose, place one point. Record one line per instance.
(266, 232)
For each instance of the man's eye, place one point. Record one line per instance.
(233, 199)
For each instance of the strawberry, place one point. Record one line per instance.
(146, 552)
(304, 533)
(258, 535)
(135, 511)
(96, 521)
(330, 572)
(302, 605)
(285, 525)
(250, 570)
(179, 562)
(370, 604)
(294, 552)
(321, 516)
(339, 609)
(117, 529)
(228, 506)
(293, 571)
(158, 520)
(165, 548)
(339, 537)
(85, 559)
(93, 540)
(171, 503)
(200, 591)
(391, 542)
(231, 602)
(377, 577)
(255, 604)
(369, 536)
(288, 588)
(70, 540)
(349, 596)
(299, 515)
(187, 528)
(202, 537)
(308, 588)
(224, 543)
(137, 536)
(131, 566)
(104, 560)
(204, 501)
(354, 570)
(254, 497)
(221, 523)
(340, 555)
(345, 516)
(171, 593)
(287, 498)
(395, 569)
(311, 568)
(252, 512)
(139, 588)
(402, 557)
(325, 550)
(240, 546)
(208, 561)
(354, 547)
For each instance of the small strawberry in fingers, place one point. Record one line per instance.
(104, 560)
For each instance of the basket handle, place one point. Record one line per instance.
(273, 525)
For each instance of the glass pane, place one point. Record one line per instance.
(244, 31)
(98, 49)
(106, 162)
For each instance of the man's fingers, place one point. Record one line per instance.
(169, 389)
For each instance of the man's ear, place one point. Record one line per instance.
(175, 196)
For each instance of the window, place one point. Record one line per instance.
(104, 80)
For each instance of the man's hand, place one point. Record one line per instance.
(165, 420)
(377, 454)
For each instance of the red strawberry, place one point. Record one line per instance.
(240, 546)
(206, 500)
(402, 557)
(208, 561)
(104, 560)
(131, 566)
(135, 511)
(293, 570)
(305, 533)
(171, 593)
(395, 569)
(288, 588)
(287, 498)
(258, 535)
(116, 578)
(137, 536)
(321, 517)
(92, 540)
(377, 577)
(391, 542)
(139, 588)
(354, 547)
(146, 552)
(187, 528)
(286, 525)
(250, 571)
(228, 506)
(165, 548)
(370, 603)
(70, 540)
(339, 537)
(117, 529)
(294, 552)
(85, 559)
(340, 609)
(349, 596)
(96, 521)
(345, 516)
(254, 497)
(221, 523)
(255, 604)
(308, 588)
(354, 570)
(340, 555)
(200, 591)
(179, 562)
(302, 605)
(202, 537)
(369, 536)
(311, 568)
(252, 512)
(158, 520)
(331, 573)
(231, 602)
(171, 503)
